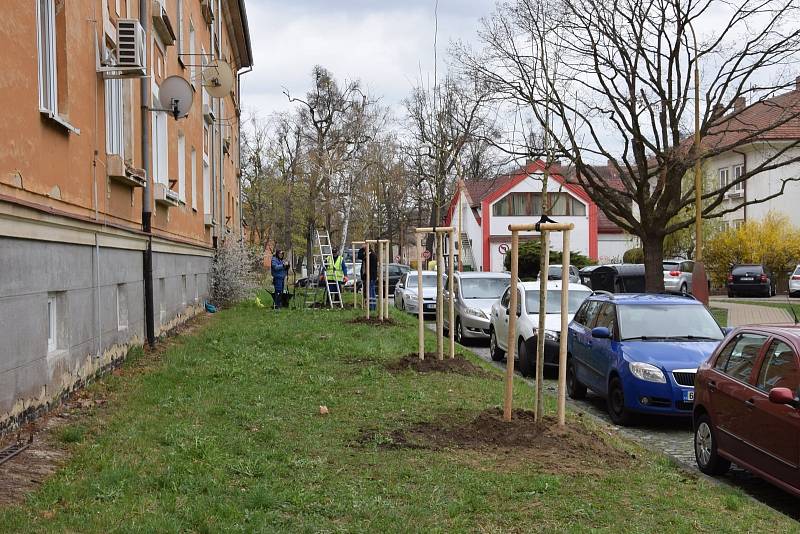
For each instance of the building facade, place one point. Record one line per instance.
(94, 191)
(483, 209)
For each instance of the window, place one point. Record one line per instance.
(181, 167)
(688, 322)
(607, 317)
(162, 299)
(738, 357)
(52, 324)
(527, 204)
(192, 57)
(779, 369)
(183, 290)
(737, 223)
(196, 289)
(738, 171)
(206, 186)
(115, 132)
(179, 19)
(506, 298)
(724, 177)
(591, 313)
(193, 177)
(574, 300)
(46, 39)
(122, 307)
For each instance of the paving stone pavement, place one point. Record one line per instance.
(743, 314)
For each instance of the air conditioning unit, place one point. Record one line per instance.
(208, 114)
(734, 193)
(131, 44)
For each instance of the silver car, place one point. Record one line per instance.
(678, 275)
(475, 292)
(794, 283)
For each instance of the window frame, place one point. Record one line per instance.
(46, 54)
(727, 172)
(52, 323)
(738, 171)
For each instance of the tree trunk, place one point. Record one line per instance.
(653, 246)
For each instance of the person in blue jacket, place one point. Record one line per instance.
(280, 270)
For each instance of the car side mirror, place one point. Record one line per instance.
(601, 332)
(400, 285)
(727, 330)
(783, 396)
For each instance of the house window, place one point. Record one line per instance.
(160, 143)
(52, 324)
(724, 177)
(193, 178)
(122, 307)
(530, 204)
(206, 185)
(738, 171)
(46, 39)
(115, 131)
(179, 19)
(196, 289)
(192, 57)
(162, 300)
(182, 167)
(183, 290)
(737, 223)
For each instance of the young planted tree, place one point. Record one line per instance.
(624, 94)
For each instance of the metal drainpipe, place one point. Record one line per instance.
(147, 197)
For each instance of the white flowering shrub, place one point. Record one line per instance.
(232, 275)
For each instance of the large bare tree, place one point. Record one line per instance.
(623, 95)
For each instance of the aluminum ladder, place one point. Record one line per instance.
(326, 254)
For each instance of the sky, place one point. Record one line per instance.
(387, 44)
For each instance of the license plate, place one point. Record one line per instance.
(429, 307)
(688, 396)
(746, 279)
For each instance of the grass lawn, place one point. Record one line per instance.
(222, 432)
(720, 314)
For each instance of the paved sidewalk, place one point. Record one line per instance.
(743, 314)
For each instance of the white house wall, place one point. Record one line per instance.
(611, 247)
(470, 226)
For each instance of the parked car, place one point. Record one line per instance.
(618, 278)
(396, 272)
(353, 275)
(528, 322)
(475, 292)
(747, 409)
(554, 273)
(405, 293)
(640, 352)
(678, 275)
(794, 283)
(754, 280)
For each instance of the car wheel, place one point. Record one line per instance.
(684, 290)
(524, 361)
(497, 353)
(620, 415)
(459, 333)
(705, 448)
(575, 389)
(768, 292)
(402, 305)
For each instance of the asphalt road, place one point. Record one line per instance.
(672, 436)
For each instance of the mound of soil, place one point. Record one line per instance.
(431, 364)
(373, 321)
(573, 449)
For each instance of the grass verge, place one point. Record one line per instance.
(720, 314)
(223, 432)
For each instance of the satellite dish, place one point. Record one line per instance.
(175, 95)
(218, 78)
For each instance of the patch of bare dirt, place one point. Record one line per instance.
(573, 449)
(431, 364)
(24, 473)
(373, 321)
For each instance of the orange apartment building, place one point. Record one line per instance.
(110, 211)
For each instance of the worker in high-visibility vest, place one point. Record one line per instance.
(336, 271)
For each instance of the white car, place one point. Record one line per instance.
(528, 322)
(794, 283)
(405, 292)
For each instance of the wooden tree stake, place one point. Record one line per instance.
(512, 326)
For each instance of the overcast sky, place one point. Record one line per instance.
(387, 44)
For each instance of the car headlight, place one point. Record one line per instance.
(411, 298)
(647, 372)
(476, 312)
(549, 335)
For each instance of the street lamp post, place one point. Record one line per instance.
(699, 279)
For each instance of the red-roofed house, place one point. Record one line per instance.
(487, 207)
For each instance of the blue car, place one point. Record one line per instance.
(639, 351)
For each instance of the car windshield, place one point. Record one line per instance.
(483, 288)
(576, 298)
(670, 266)
(428, 280)
(658, 321)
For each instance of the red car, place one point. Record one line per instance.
(746, 405)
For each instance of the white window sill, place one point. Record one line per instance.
(61, 121)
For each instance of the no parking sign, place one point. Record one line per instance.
(503, 248)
